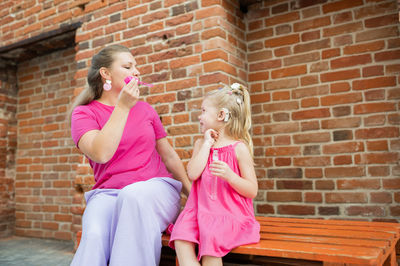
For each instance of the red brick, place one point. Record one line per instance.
(377, 158)
(374, 83)
(329, 53)
(281, 19)
(212, 33)
(374, 108)
(310, 36)
(342, 160)
(260, 98)
(310, 102)
(373, 71)
(220, 66)
(340, 75)
(184, 61)
(375, 34)
(313, 197)
(216, 54)
(289, 71)
(340, 5)
(181, 84)
(284, 196)
(387, 55)
(364, 47)
(341, 123)
(344, 171)
(311, 161)
(261, 34)
(381, 21)
(296, 209)
(343, 147)
(283, 151)
(310, 114)
(281, 41)
(259, 76)
(381, 197)
(341, 99)
(384, 132)
(366, 211)
(264, 65)
(374, 10)
(350, 61)
(311, 138)
(391, 183)
(311, 46)
(342, 29)
(283, 161)
(312, 24)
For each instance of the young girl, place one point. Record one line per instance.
(219, 214)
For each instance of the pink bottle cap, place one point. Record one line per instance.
(128, 79)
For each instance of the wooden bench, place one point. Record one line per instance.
(331, 242)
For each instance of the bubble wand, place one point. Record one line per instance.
(129, 78)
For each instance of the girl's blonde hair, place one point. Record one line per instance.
(104, 58)
(236, 100)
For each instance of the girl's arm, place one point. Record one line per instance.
(198, 162)
(246, 185)
(173, 163)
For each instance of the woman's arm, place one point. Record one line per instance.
(246, 184)
(173, 163)
(100, 145)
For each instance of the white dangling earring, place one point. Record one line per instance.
(107, 85)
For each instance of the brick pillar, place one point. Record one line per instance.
(8, 135)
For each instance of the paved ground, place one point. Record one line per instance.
(21, 251)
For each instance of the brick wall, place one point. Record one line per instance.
(46, 158)
(8, 145)
(324, 84)
(325, 87)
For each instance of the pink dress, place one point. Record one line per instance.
(215, 216)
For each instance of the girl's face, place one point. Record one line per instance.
(124, 65)
(209, 116)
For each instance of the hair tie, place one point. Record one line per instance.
(235, 86)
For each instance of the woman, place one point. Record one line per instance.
(135, 196)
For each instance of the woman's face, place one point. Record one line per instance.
(209, 116)
(124, 65)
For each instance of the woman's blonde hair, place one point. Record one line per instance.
(104, 58)
(236, 100)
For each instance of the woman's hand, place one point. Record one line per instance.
(129, 95)
(222, 170)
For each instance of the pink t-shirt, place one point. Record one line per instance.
(136, 158)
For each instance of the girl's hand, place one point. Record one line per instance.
(129, 94)
(222, 170)
(210, 136)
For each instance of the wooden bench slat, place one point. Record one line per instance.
(327, 240)
(333, 222)
(330, 232)
(323, 252)
(330, 226)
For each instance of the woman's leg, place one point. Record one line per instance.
(142, 213)
(94, 248)
(211, 261)
(185, 251)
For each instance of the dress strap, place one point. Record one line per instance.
(236, 143)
